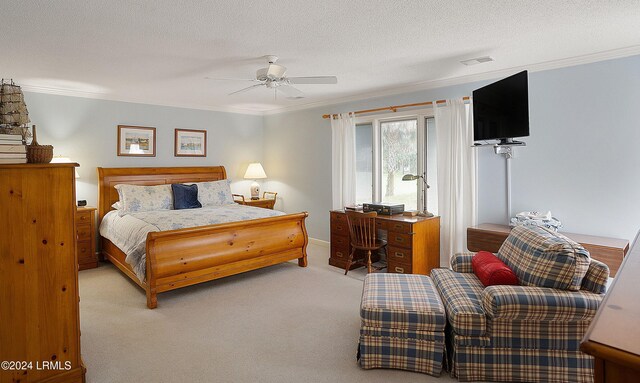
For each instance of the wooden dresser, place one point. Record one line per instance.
(614, 335)
(413, 243)
(86, 229)
(610, 251)
(39, 313)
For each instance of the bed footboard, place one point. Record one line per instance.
(184, 257)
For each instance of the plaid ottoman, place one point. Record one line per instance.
(403, 322)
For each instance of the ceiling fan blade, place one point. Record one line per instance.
(313, 80)
(230, 79)
(290, 92)
(245, 89)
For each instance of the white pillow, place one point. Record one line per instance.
(135, 198)
(117, 205)
(215, 193)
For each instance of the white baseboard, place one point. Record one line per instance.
(319, 242)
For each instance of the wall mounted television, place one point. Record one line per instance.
(501, 110)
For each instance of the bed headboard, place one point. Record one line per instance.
(109, 177)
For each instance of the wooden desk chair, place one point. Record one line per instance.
(362, 230)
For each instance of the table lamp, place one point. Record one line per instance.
(412, 177)
(63, 160)
(254, 172)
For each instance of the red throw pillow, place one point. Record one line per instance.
(491, 270)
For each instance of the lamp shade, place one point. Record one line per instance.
(64, 160)
(255, 171)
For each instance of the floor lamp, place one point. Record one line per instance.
(412, 177)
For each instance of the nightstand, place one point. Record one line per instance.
(86, 234)
(263, 202)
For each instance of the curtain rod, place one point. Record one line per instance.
(394, 108)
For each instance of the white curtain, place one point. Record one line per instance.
(457, 176)
(343, 160)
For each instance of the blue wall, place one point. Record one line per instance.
(581, 160)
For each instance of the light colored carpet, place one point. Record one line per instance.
(280, 324)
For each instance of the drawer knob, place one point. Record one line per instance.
(399, 239)
(399, 269)
(399, 254)
(339, 254)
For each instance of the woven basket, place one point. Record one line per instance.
(38, 154)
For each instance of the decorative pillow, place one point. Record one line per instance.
(135, 198)
(543, 258)
(185, 196)
(117, 205)
(491, 271)
(215, 193)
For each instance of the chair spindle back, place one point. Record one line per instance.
(362, 228)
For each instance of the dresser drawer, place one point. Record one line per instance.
(340, 227)
(84, 232)
(399, 240)
(83, 217)
(398, 255)
(399, 227)
(85, 253)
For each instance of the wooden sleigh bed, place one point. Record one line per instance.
(185, 257)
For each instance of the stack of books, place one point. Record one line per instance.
(12, 151)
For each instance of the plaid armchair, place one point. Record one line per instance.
(523, 333)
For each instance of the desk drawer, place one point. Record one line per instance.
(340, 252)
(381, 224)
(339, 240)
(338, 218)
(399, 240)
(398, 255)
(398, 268)
(399, 227)
(84, 232)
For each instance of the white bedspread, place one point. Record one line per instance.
(129, 233)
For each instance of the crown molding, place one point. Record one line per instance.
(360, 96)
(101, 96)
(425, 85)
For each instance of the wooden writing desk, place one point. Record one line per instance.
(614, 335)
(413, 243)
(490, 236)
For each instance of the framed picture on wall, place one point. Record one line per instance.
(137, 141)
(190, 143)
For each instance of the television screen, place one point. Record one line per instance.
(501, 109)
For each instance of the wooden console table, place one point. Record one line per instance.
(614, 336)
(611, 251)
(413, 243)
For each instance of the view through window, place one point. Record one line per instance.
(399, 157)
(386, 150)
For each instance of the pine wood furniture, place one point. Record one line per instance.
(86, 229)
(614, 336)
(179, 258)
(39, 313)
(610, 251)
(413, 243)
(267, 201)
(362, 235)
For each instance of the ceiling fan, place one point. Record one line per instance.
(274, 77)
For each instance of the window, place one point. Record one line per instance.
(386, 150)
(399, 151)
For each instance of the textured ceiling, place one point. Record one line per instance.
(159, 52)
